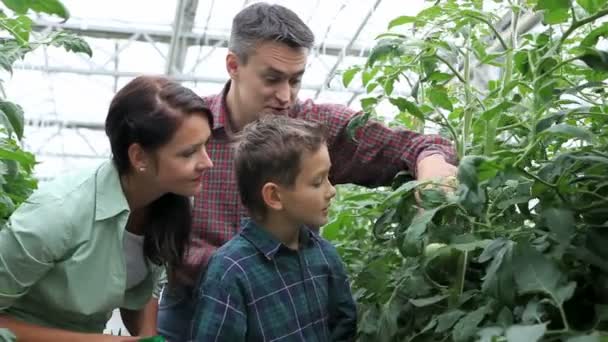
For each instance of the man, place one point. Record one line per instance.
(268, 52)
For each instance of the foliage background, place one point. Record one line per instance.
(515, 251)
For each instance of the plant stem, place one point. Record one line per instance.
(576, 24)
(454, 71)
(509, 127)
(466, 131)
(468, 115)
(498, 36)
(536, 178)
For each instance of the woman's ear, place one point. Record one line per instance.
(138, 158)
(271, 195)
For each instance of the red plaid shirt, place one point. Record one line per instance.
(372, 160)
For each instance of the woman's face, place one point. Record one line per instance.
(181, 162)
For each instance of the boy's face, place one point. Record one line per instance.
(307, 201)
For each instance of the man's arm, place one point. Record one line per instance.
(377, 153)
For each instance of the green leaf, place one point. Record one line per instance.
(71, 43)
(554, 11)
(591, 6)
(467, 326)
(368, 103)
(356, 122)
(490, 334)
(18, 156)
(601, 312)
(17, 6)
(595, 337)
(536, 274)
(470, 246)
(496, 110)
(402, 20)
(532, 313)
(596, 59)
(446, 320)
(498, 280)
(50, 7)
(471, 172)
(528, 333)
(420, 302)
(19, 27)
(548, 121)
(406, 106)
(349, 74)
(14, 117)
(40, 6)
(419, 224)
(592, 38)
(439, 98)
(561, 223)
(386, 48)
(438, 76)
(368, 74)
(571, 131)
(512, 201)
(332, 229)
(10, 51)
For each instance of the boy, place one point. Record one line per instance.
(277, 280)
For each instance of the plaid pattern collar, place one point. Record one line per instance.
(269, 245)
(219, 109)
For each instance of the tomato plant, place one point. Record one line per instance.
(516, 251)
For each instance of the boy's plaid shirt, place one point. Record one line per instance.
(376, 156)
(257, 289)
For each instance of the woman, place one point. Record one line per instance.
(88, 243)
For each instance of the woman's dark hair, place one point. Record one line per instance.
(148, 111)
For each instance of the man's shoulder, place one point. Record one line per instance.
(208, 99)
(308, 109)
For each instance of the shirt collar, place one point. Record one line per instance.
(221, 113)
(267, 244)
(219, 108)
(110, 200)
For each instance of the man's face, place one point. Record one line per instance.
(270, 80)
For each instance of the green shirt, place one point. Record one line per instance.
(62, 262)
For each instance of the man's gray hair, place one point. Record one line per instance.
(262, 22)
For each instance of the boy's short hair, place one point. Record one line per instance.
(270, 150)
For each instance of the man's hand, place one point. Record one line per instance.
(435, 167)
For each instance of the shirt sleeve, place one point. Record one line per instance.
(220, 309)
(160, 283)
(377, 153)
(35, 237)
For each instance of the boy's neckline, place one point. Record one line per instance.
(268, 244)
